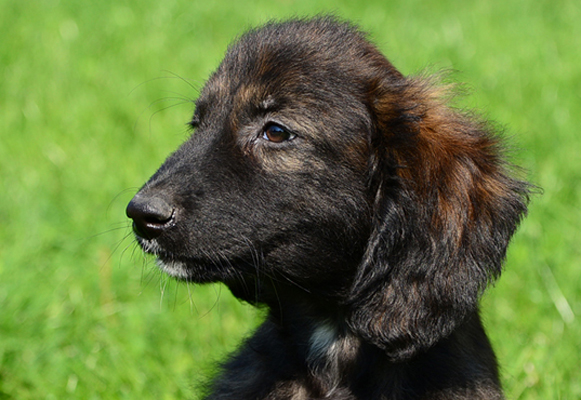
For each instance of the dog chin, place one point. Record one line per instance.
(194, 271)
(176, 269)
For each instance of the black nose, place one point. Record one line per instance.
(151, 215)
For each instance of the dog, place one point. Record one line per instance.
(366, 213)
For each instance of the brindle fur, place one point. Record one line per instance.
(369, 232)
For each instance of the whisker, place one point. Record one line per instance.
(186, 81)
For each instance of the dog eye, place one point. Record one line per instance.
(277, 134)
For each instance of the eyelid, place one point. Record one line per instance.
(282, 125)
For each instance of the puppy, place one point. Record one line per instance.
(365, 213)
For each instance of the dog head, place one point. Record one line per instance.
(316, 168)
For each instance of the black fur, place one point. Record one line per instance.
(353, 202)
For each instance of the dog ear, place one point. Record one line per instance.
(445, 209)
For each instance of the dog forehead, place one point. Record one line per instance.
(283, 52)
(297, 56)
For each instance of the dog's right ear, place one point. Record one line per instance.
(445, 209)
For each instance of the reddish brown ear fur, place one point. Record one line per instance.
(446, 207)
(451, 159)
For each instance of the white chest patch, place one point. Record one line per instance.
(323, 342)
(330, 351)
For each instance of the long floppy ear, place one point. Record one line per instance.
(445, 210)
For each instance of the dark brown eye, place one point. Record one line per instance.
(276, 134)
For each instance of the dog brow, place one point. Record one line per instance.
(268, 104)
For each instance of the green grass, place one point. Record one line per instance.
(91, 101)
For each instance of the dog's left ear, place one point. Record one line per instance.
(445, 209)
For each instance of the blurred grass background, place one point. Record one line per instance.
(93, 97)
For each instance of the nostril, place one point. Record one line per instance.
(151, 215)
